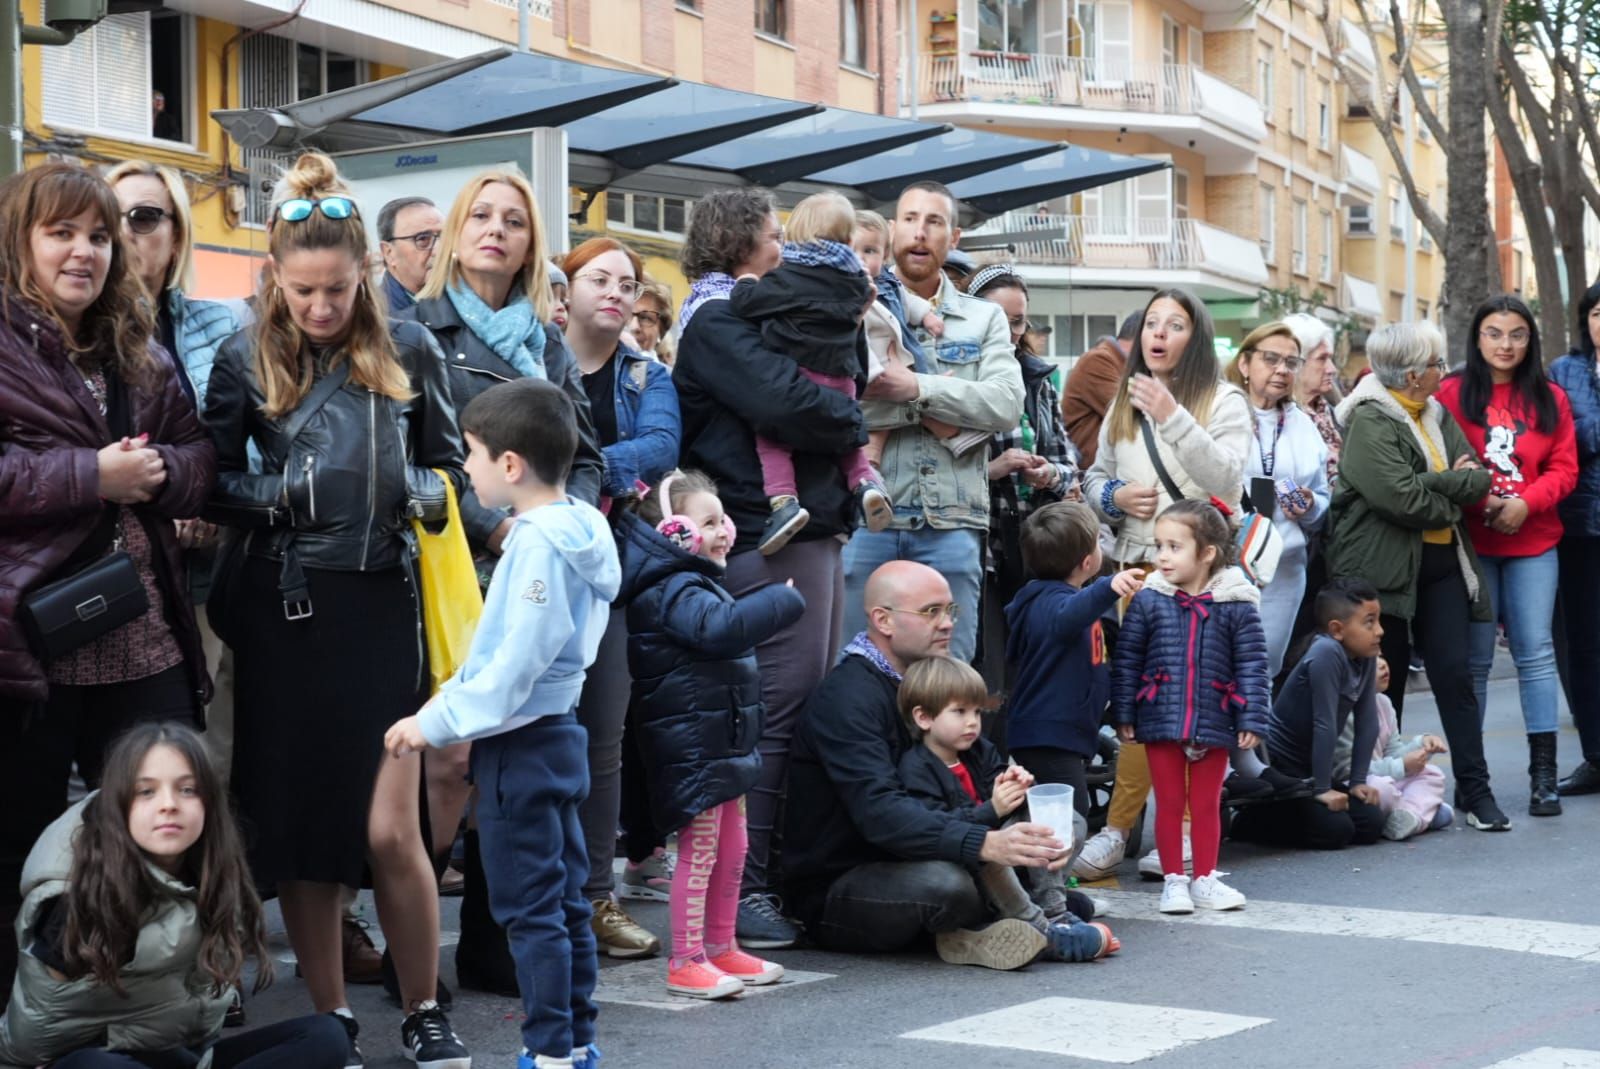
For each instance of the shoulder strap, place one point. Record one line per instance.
(320, 394)
(1155, 458)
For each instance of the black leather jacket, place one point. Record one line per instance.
(474, 367)
(355, 476)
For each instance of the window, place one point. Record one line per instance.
(1325, 262)
(648, 214)
(1301, 236)
(1297, 104)
(1008, 25)
(1180, 194)
(1265, 77)
(1397, 306)
(107, 80)
(1197, 47)
(1137, 209)
(853, 33)
(1072, 335)
(1397, 210)
(1324, 112)
(1269, 224)
(1360, 220)
(772, 18)
(1107, 27)
(1170, 38)
(1422, 310)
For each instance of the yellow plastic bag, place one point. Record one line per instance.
(451, 600)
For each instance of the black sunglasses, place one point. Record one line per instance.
(145, 218)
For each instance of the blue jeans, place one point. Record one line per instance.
(1522, 591)
(957, 555)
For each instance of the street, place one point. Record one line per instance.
(1456, 949)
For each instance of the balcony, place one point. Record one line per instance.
(1144, 253)
(1177, 102)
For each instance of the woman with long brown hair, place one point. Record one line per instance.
(100, 451)
(352, 418)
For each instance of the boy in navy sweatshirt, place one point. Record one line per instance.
(547, 607)
(1056, 646)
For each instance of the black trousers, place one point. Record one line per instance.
(318, 1042)
(1057, 766)
(889, 905)
(1579, 608)
(1307, 823)
(1441, 631)
(39, 744)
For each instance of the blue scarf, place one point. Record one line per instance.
(861, 646)
(514, 332)
(823, 254)
(714, 286)
(400, 298)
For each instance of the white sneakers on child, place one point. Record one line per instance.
(1150, 864)
(1209, 892)
(1100, 855)
(1175, 896)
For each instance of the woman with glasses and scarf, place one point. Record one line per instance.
(350, 416)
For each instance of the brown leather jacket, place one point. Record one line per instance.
(50, 430)
(1088, 393)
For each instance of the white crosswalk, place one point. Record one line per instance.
(1552, 1058)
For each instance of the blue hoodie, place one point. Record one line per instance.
(1063, 679)
(545, 612)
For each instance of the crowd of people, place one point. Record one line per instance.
(754, 566)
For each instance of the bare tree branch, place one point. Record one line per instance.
(1413, 82)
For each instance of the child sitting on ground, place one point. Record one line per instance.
(957, 770)
(1410, 790)
(811, 308)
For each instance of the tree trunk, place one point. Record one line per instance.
(1570, 212)
(1528, 179)
(1469, 242)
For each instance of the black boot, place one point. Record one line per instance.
(483, 958)
(1543, 800)
(1585, 779)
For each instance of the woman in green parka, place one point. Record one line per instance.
(1405, 473)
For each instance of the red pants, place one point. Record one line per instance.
(1193, 786)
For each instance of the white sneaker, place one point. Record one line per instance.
(1175, 896)
(1401, 824)
(1150, 864)
(1101, 855)
(1211, 893)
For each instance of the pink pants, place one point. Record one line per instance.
(777, 465)
(1195, 787)
(1420, 794)
(705, 887)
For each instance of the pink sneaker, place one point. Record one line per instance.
(747, 967)
(700, 979)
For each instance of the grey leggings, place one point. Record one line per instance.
(602, 710)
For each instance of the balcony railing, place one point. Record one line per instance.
(1126, 244)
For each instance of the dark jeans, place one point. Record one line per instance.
(1057, 766)
(1306, 822)
(602, 708)
(1580, 609)
(318, 1042)
(1441, 631)
(889, 905)
(38, 747)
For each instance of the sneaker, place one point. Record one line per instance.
(1209, 892)
(1150, 865)
(762, 925)
(1443, 818)
(431, 1042)
(1486, 815)
(877, 511)
(1004, 945)
(1175, 896)
(651, 879)
(353, 1060)
(747, 968)
(618, 935)
(586, 1057)
(1401, 824)
(786, 521)
(701, 979)
(1101, 855)
(1078, 941)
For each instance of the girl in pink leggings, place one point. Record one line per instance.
(697, 709)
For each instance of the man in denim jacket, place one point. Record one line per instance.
(974, 384)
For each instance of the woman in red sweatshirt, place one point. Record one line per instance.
(1521, 426)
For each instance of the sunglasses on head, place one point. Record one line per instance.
(300, 208)
(145, 218)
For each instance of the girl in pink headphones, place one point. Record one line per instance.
(697, 708)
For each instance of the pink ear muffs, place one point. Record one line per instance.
(681, 530)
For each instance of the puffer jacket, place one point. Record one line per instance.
(168, 1003)
(1575, 373)
(50, 430)
(812, 315)
(474, 367)
(344, 491)
(1193, 669)
(200, 328)
(696, 690)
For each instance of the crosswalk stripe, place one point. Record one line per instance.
(1556, 939)
(1121, 1032)
(1552, 1058)
(644, 983)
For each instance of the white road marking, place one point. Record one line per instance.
(1552, 1058)
(1122, 1032)
(1556, 939)
(644, 983)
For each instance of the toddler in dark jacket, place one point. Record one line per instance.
(697, 708)
(1190, 682)
(811, 309)
(956, 770)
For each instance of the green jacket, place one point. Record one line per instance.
(1387, 494)
(168, 1002)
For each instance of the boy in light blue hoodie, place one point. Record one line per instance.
(545, 612)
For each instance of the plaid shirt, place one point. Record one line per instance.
(1043, 408)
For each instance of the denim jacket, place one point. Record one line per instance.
(649, 429)
(200, 328)
(976, 384)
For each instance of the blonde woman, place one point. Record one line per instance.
(352, 419)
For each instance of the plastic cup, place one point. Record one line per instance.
(1050, 804)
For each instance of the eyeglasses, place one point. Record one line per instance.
(650, 319)
(1517, 338)
(1276, 360)
(1435, 365)
(422, 239)
(300, 208)
(601, 284)
(932, 613)
(145, 218)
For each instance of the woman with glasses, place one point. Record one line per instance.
(350, 416)
(1287, 464)
(1406, 474)
(635, 409)
(652, 321)
(1520, 425)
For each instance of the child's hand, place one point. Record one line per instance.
(1023, 776)
(1366, 793)
(1125, 732)
(1336, 801)
(1008, 795)
(1128, 583)
(405, 737)
(933, 324)
(1248, 740)
(1415, 761)
(1432, 744)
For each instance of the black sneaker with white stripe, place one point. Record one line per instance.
(354, 1060)
(431, 1042)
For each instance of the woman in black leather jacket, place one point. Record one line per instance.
(352, 420)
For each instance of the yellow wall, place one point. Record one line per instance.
(774, 68)
(689, 45)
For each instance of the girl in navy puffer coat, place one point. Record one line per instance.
(697, 709)
(1189, 680)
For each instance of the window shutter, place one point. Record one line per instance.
(101, 81)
